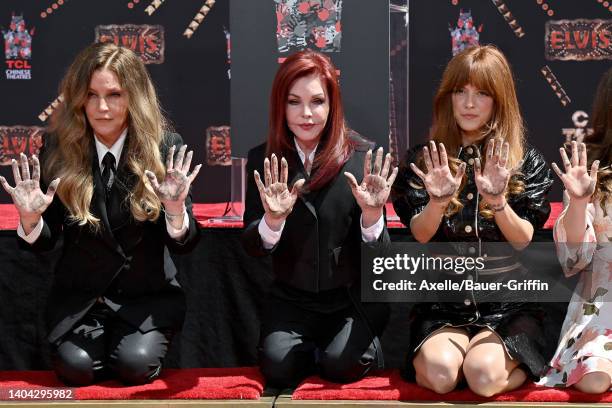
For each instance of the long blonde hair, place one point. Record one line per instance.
(487, 69)
(72, 135)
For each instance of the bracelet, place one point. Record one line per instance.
(499, 208)
(182, 214)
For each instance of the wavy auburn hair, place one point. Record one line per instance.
(486, 68)
(334, 147)
(71, 135)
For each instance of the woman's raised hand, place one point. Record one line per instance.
(373, 192)
(440, 183)
(493, 180)
(27, 196)
(174, 188)
(578, 182)
(275, 196)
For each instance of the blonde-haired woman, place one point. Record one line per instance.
(583, 233)
(115, 303)
(476, 181)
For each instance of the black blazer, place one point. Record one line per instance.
(128, 262)
(320, 245)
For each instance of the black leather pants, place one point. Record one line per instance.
(296, 343)
(102, 347)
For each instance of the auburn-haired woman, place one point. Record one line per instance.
(119, 197)
(311, 214)
(476, 181)
(583, 232)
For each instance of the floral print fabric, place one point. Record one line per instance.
(585, 342)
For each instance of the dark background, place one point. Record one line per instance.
(194, 87)
(224, 286)
(363, 63)
(430, 50)
(192, 83)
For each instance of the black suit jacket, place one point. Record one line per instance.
(320, 245)
(128, 262)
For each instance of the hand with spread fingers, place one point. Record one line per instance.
(29, 199)
(493, 180)
(578, 182)
(174, 188)
(275, 196)
(374, 190)
(440, 183)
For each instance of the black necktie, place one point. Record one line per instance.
(108, 175)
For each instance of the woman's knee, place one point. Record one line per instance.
(487, 377)
(284, 366)
(594, 383)
(488, 369)
(439, 371)
(138, 357)
(73, 365)
(278, 370)
(484, 379)
(343, 367)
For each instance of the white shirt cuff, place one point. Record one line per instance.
(178, 234)
(372, 233)
(269, 238)
(33, 235)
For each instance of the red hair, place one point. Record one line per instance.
(334, 147)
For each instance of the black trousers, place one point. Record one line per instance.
(295, 343)
(102, 346)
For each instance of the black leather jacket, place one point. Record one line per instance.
(468, 224)
(514, 315)
(471, 233)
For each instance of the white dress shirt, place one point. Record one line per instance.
(115, 150)
(270, 238)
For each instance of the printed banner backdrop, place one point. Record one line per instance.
(398, 78)
(354, 33)
(185, 45)
(558, 50)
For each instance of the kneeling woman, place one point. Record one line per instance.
(476, 181)
(115, 303)
(584, 357)
(313, 320)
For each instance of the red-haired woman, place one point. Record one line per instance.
(313, 321)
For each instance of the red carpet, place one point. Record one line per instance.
(388, 385)
(193, 383)
(206, 213)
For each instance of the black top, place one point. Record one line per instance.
(468, 224)
(514, 315)
(318, 255)
(127, 262)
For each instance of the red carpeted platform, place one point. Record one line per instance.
(389, 386)
(208, 216)
(245, 383)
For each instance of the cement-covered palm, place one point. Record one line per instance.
(440, 183)
(577, 180)
(374, 189)
(276, 198)
(27, 195)
(493, 180)
(174, 188)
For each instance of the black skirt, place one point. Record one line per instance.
(523, 328)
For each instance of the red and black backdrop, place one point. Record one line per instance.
(189, 68)
(558, 49)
